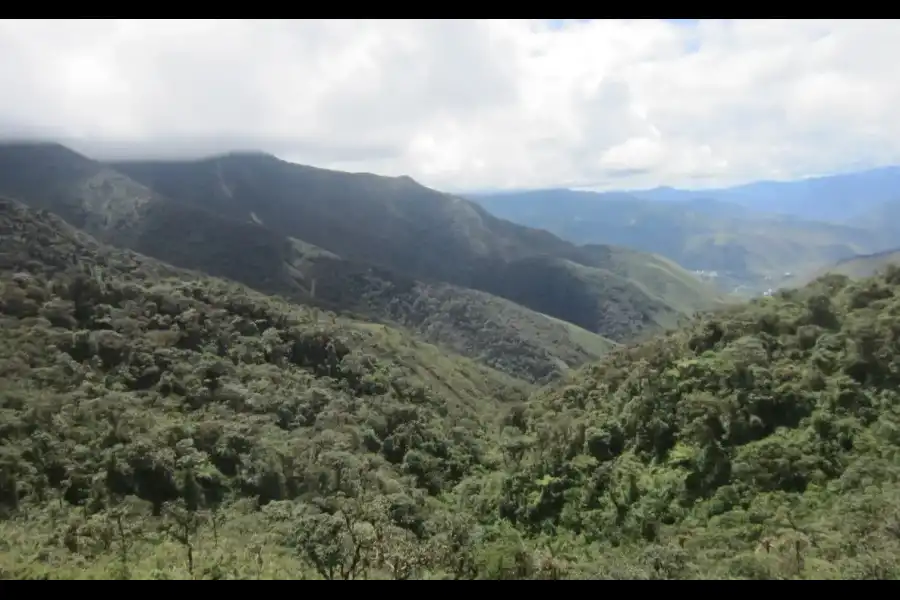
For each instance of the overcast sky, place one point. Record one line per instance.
(470, 105)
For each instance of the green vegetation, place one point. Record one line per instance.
(758, 442)
(384, 249)
(429, 236)
(157, 423)
(120, 211)
(148, 414)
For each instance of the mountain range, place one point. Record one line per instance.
(387, 249)
(747, 239)
(836, 198)
(241, 368)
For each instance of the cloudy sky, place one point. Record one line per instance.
(463, 105)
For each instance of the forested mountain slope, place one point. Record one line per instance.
(118, 210)
(430, 236)
(152, 398)
(160, 424)
(759, 442)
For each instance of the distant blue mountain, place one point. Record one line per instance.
(748, 239)
(838, 198)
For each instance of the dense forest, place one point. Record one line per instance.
(159, 423)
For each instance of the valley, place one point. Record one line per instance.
(449, 300)
(241, 368)
(744, 243)
(159, 423)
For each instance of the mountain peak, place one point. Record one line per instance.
(255, 156)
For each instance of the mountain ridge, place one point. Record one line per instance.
(456, 240)
(225, 238)
(159, 423)
(837, 197)
(739, 247)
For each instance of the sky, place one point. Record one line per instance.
(469, 105)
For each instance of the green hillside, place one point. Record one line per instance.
(759, 442)
(137, 401)
(120, 211)
(157, 423)
(430, 236)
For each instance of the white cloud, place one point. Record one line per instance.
(469, 105)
